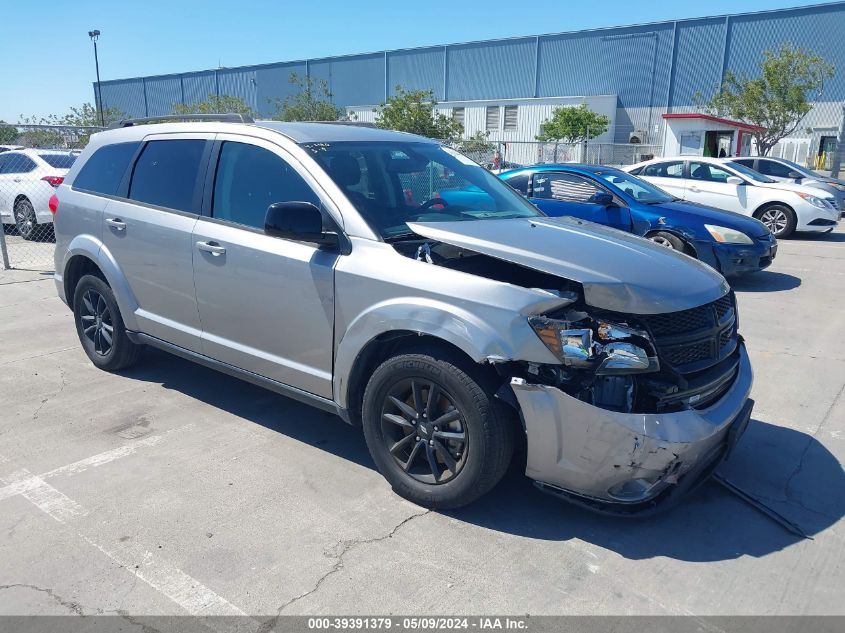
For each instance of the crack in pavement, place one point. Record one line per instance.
(55, 395)
(344, 548)
(73, 606)
(787, 489)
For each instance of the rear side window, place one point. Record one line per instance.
(59, 161)
(565, 187)
(519, 182)
(166, 174)
(103, 172)
(673, 169)
(14, 163)
(249, 179)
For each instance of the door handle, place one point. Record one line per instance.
(116, 223)
(17, 179)
(694, 189)
(211, 247)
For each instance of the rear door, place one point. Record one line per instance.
(266, 303)
(148, 233)
(668, 175)
(708, 185)
(566, 193)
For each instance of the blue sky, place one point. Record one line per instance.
(48, 62)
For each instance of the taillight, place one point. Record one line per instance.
(54, 181)
(53, 204)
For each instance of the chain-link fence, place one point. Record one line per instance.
(507, 155)
(33, 162)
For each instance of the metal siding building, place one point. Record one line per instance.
(650, 69)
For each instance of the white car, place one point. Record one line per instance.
(28, 178)
(724, 184)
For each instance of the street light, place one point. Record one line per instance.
(94, 35)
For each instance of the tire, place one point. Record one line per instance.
(470, 449)
(94, 306)
(670, 241)
(26, 222)
(779, 218)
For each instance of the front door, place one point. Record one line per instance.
(266, 303)
(708, 184)
(668, 175)
(566, 193)
(149, 235)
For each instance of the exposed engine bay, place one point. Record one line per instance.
(618, 362)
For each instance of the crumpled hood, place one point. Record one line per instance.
(618, 271)
(690, 214)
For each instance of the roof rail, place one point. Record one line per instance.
(229, 117)
(346, 122)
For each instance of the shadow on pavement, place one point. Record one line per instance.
(787, 469)
(818, 237)
(765, 281)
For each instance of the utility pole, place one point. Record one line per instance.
(94, 35)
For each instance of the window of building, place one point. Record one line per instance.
(671, 169)
(565, 187)
(166, 174)
(511, 115)
(492, 116)
(458, 115)
(103, 172)
(249, 179)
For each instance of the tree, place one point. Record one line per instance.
(777, 100)
(215, 104)
(8, 133)
(64, 130)
(312, 102)
(478, 143)
(573, 124)
(414, 111)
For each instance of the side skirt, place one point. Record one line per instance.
(325, 404)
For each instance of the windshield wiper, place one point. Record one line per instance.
(401, 237)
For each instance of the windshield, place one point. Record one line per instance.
(394, 183)
(638, 189)
(748, 172)
(809, 173)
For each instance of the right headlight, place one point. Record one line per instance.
(598, 345)
(727, 236)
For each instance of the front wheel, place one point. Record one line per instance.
(780, 220)
(434, 431)
(667, 240)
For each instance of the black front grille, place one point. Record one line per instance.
(692, 340)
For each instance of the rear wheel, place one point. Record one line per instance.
(435, 432)
(26, 221)
(100, 327)
(779, 219)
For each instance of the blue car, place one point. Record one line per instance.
(731, 243)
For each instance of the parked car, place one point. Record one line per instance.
(724, 184)
(731, 243)
(288, 255)
(28, 177)
(784, 170)
(8, 148)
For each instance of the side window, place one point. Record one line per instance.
(564, 187)
(4, 163)
(166, 174)
(103, 172)
(519, 182)
(18, 164)
(673, 169)
(708, 172)
(773, 168)
(249, 179)
(745, 162)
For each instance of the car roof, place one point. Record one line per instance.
(576, 167)
(298, 132)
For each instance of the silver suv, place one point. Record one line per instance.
(391, 280)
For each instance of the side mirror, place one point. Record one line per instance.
(735, 180)
(601, 198)
(300, 221)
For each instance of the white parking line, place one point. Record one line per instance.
(182, 589)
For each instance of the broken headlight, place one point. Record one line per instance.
(608, 349)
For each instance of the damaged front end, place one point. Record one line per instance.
(641, 408)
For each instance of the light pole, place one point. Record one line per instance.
(94, 35)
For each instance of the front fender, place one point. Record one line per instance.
(476, 338)
(89, 246)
